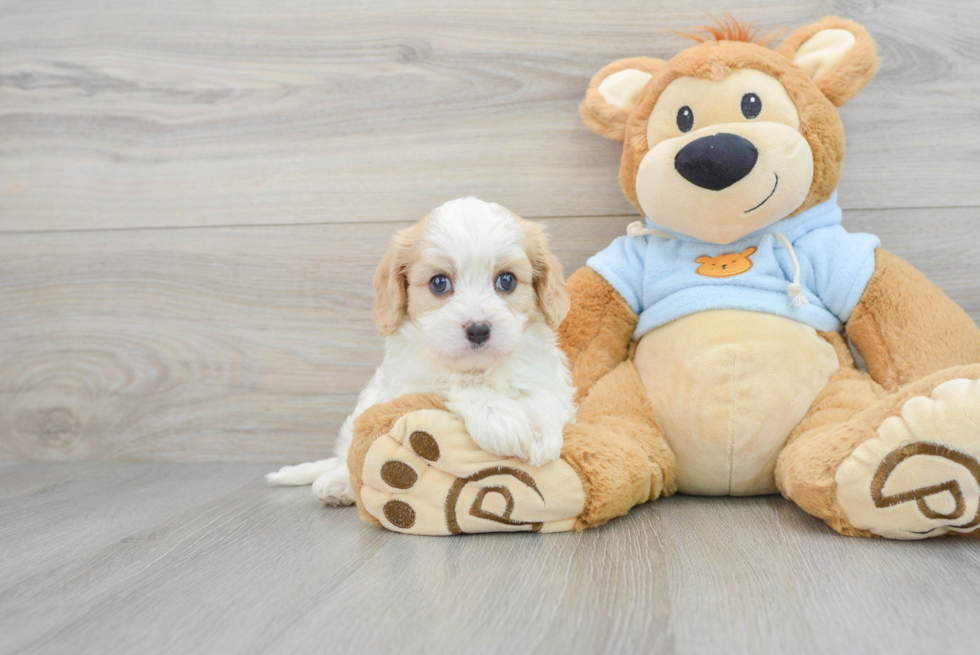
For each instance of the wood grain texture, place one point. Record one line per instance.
(220, 563)
(137, 114)
(47, 508)
(251, 344)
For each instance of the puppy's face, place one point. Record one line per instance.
(470, 278)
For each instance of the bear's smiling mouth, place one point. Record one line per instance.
(767, 197)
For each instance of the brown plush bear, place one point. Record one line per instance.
(708, 345)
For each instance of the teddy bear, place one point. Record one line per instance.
(711, 345)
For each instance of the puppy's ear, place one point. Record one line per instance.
(391, 281)
(838, 54)
(549, 281)
(613, 93)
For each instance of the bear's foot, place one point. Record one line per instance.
(920, 477)
(425, 476)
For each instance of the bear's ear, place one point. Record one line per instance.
(704, 259)
(838, 54)
(748, 252)
(613, 93)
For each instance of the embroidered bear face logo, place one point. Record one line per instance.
(727, 265)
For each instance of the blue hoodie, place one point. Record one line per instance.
(664, 279)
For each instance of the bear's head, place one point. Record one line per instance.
(730, 136)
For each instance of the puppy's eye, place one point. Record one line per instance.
(751, 106)
(685, 119)
(506, 282)
(440, 285)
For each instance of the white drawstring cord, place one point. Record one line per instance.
(636, 229)
(796, 289)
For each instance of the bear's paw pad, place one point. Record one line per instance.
(920, 477)
(426, 476)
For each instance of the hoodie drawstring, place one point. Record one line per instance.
(795, 290)
(636, 229)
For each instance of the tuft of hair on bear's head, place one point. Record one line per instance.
(729, 28)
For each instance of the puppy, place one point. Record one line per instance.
(468, 300)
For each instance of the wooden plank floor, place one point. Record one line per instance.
(204, 558)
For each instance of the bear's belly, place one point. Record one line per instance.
(728, 387)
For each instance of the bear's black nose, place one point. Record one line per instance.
(477, 333)
(716, 162)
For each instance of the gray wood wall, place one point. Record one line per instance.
(193, 195)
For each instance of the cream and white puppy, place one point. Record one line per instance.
(468, 299)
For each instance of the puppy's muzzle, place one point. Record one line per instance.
(477, 333)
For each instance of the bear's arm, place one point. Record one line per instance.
(906, 328)
(597, 332)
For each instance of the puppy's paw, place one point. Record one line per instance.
(501, 428)
(549, 420)
(333, 486)
(546, 447)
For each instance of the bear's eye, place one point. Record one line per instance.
(440, 285)
(751, 106)
(506, 282)
(685, 119)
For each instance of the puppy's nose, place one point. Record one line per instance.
(477, 332)
(716, 162)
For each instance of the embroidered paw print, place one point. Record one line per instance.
(727, 265)
(920, 477)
